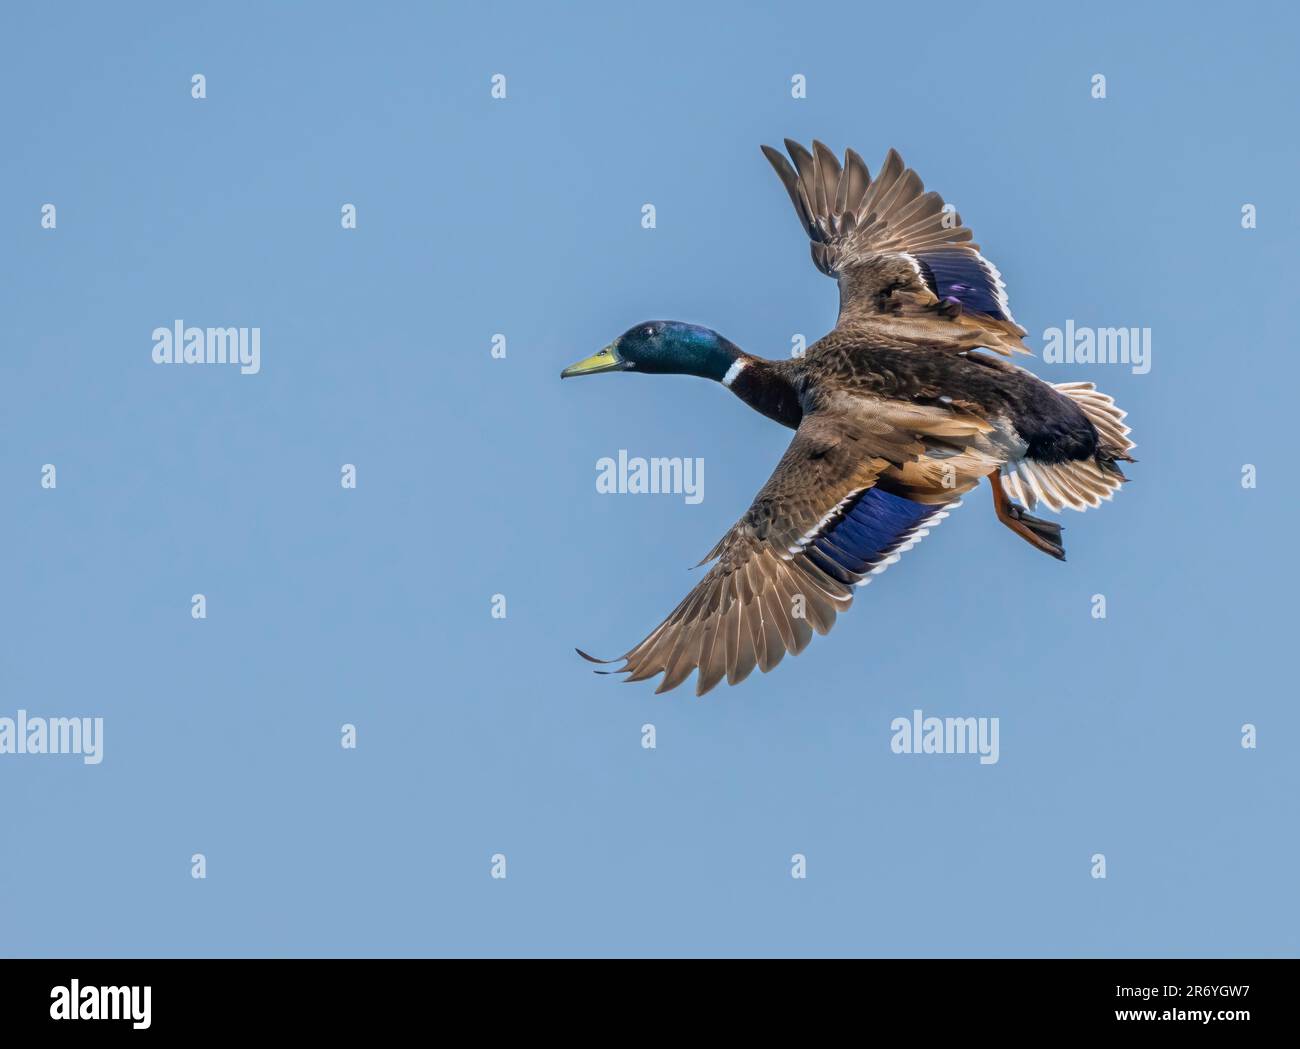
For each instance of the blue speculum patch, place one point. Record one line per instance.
(873, 525)
(962, 276)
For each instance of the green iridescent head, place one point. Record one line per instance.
(662, 348)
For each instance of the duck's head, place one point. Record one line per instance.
(662, 348)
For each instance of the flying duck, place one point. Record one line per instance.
(897, 412)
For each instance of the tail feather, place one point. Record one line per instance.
(1081, 483)
(1106, 417)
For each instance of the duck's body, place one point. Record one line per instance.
(1032, 423)
(897, 413)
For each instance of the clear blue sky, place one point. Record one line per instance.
(477, 476)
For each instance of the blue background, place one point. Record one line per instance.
(477, 476)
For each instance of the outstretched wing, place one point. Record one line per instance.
(893, 247)
(819, 527)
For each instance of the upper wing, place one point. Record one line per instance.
(818, 527)
(893, 247)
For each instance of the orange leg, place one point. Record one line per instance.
(1042, 535)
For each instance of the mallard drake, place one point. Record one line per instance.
(897, 412)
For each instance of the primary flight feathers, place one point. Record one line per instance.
(890, 243)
